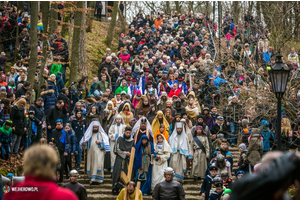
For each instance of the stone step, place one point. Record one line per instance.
(108, 191)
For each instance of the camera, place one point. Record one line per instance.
(184, 70)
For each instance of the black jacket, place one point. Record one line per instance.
(20, 92)
(67, 102)
(18, 118)
(54, 114)
(39, 113)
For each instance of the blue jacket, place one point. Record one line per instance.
(266, 134)
(231, 26)
(52, 86)
(217, 81)
(59, 83)
(267, 57)
(92, 90)
(73, 141)
(78, 128)
(215, 196)
(206, 185)
(49, 99)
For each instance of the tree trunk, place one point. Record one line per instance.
(235, 13)
(112, 24)
(123, 22)
(66, 19)
(45, 19)
(177, 6)
(90, 19)
(82, 81)
(75, 43)
(33, 42)
(258, 4)
(53, 18)
(168, 9)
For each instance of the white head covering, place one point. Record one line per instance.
(166, 146)
(138, 123)
(88, 134)
(173, 140)
(118, 129)
(112, 104)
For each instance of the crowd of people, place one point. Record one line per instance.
(164, 92)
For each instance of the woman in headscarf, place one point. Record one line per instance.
(126, 113)
(163, 151)
(201, 153)
(159, 119)
(115, 131)
(143, 105)
(144, 153)
(151, 114)
(136, 99)
(91, 114)
(107, 113)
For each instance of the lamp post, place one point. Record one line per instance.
(279, 75)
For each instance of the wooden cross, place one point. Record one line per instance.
(126, 178)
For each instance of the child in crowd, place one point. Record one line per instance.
(72, 150)
(217, 194)
(208, 181)
(6, 139)
(31, 130)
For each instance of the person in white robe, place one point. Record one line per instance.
(180, 151)
(98, 145)
(116, 130)
(160, 163)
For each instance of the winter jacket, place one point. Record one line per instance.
(67, 102)
(5, 135)
(53, 114)
(92, 90)
(39, 115)
(79, 128)
(20, 92)
(293, 57)
(62, 140)
(109, 67)
(52, 86)
(59, 83)
(49, 187)
(73, 141)
(267, 57)
(266, 134)
(18, 119)
(49, 99)
(125, 57)
(253, 154)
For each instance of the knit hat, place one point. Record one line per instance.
(243, 146)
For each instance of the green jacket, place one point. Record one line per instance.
(121, 89)
(102, 86)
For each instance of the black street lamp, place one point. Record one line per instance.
(279, 75)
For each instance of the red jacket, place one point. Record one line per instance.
(172, 93)
(47, 190)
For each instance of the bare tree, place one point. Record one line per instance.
(75, 42)
(90, 17)
(33, 42)
(45, 19)
(112, 24)
(53, 17)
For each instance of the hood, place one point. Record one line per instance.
(178, 101)
(264, 125)
(47, 92)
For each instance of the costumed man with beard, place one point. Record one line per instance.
(62, 142)
(98, 144)
(169, 188)
(158, 120)
(192, 110)
(76, 187)
(130, 192)
(115, 131)
(122, 149)
(142, 127)
(180, 150)
(143, 159)
(162, 102)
